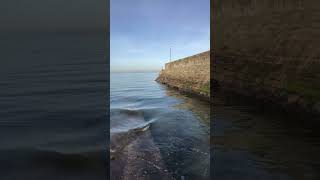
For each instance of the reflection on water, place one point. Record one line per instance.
(156, 132)
(199, 107)
(250, 144)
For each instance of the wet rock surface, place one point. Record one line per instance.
(137, 158)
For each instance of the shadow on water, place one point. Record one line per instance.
(250, 143)
(199, 107)
(183, 137)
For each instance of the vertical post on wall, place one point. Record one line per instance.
(170, 54)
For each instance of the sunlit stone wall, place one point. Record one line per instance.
(188, 74)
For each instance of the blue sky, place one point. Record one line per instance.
(142, 32)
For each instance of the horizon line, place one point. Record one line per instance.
(133, 71)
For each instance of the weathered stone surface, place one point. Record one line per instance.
(268, 49)
(190, 74)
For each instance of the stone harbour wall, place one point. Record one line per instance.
(190, 74)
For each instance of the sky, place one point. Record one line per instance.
(142, 32)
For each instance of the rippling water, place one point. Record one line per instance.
(156, 132)
(250, 143)
(53, 110)
(53, 106)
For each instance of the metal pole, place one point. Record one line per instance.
(170, 54)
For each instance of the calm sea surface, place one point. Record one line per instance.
(156, 132)
(250, 143)
(53, 106)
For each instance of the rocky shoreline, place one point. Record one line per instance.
(200, 94)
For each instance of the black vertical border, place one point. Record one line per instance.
(107, 59)
(212, 84)
(211, 90)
